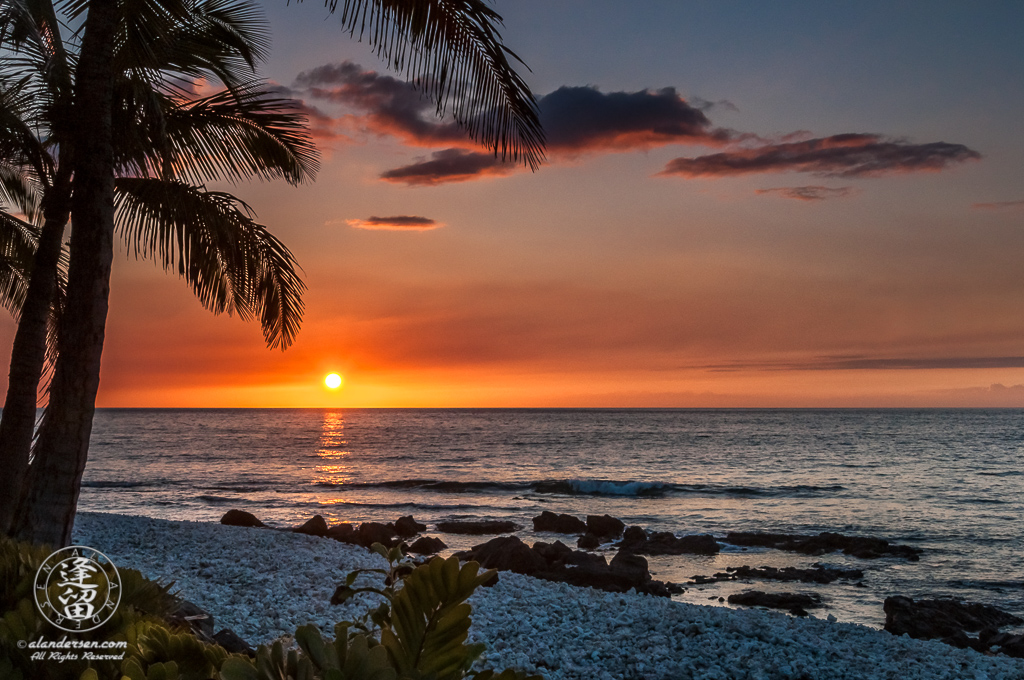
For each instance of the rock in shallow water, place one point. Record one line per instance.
(240, 518)
(787, 601)
(477, 528)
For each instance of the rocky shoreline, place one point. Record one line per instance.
(963, 625)
(262, 584)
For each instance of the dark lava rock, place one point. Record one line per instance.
(240, 518)
(588, 542)
(192, 616)
(477, 528)
(605, 526)
(634, 535)
(558, 562)
(1010, 645)
(558, 524)
(316, 526)
(788, 601)
(666, 543)
(230, 641)
(427, 545)
(632, 567)
(817, 574)
(407, 527)
(553, 552)
(507, 553)
(346, 533)
(369, 533)
(858, 546)
(940, 619)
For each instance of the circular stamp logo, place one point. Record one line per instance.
(77, 589)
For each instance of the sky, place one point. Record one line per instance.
(787, 204)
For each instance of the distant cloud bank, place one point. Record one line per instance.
(855, 363)
(847, 155)
(581, 120)
(999, 205)
(809, 193)
(396, 223)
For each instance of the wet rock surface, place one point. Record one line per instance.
(639, 542)
(864, 547)
(477, 528)
(792, 602)
(427, 545)
(558, 524)
(315, 526)
(816, 574)
(558, 562)
(407, 526)
(240, 518)
(950, 620)
(605, 526)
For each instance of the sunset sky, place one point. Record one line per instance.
(744, 204)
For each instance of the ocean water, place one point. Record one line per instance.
(948, 481)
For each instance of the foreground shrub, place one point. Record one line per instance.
(417, 632)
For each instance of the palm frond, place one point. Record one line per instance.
(20, 148)
(18, 241)
(234, 135)
(452, 51)
(18, 191)
(219, 39)
(232, 263)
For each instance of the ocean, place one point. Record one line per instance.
(950, 482)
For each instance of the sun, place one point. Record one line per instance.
(333, 380)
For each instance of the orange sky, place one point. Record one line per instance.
(607, 278)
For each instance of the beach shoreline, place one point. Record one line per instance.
(263, 584)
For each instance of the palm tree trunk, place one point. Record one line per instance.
(28, 355)
(47, 509)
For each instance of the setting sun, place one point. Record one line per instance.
(333, 381)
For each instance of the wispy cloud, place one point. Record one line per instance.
(809, 193)
(396, 223)
(855, 363)
(450, 165)
(999, 205)
(846, 155)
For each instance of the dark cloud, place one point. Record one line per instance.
(580, 119)
(999, 205)
(396, 223)
(852, 363)
(450, 165)
(575, 119)
(393, 107)
(809, 193)
(847, 155)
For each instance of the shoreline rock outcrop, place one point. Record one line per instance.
(864, 547)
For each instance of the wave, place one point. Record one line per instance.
(589, 487)
(119, 484)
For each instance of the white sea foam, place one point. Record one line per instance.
(264, 583)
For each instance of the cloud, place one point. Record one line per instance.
(809, 193)
(855, 363)
(396, 223)
(393, 107)
(999, 205)
(846, 155)
(450, 165)
(581, 120)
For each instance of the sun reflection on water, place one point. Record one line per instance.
(333, 467)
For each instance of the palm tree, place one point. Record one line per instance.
(450, 49)
(232, 262)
